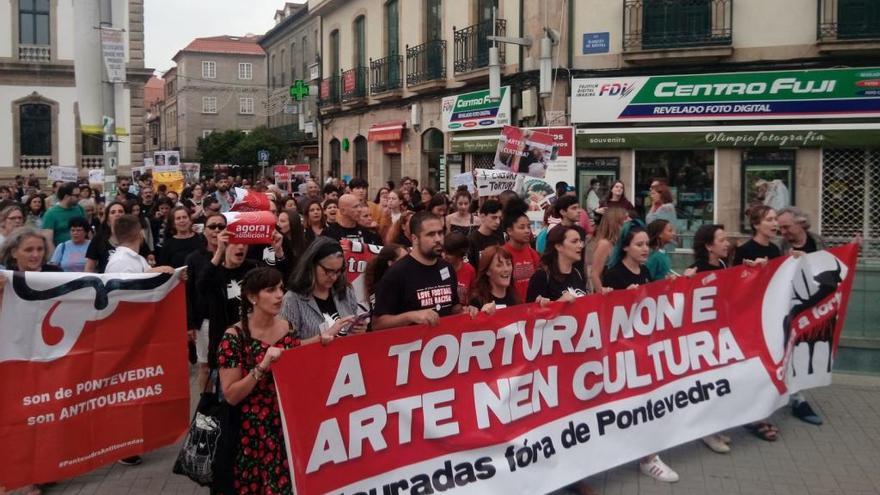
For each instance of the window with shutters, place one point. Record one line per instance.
(851, 198)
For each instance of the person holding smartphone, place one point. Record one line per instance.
(319, 296)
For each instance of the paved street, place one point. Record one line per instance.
(840, 457)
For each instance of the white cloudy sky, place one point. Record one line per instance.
(170, 25)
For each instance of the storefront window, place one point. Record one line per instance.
(690, 175)
(768, 179)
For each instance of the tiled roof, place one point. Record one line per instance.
(241, 45)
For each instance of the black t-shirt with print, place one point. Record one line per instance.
(620, 277)
(542, 284)
(327, 306)
(411, 286)
(500, 302)
(705, 266)
(356, 233)
(751, 250)
(233, 278)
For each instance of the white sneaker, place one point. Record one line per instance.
(657, 469)
(724, 438)
(716, 443)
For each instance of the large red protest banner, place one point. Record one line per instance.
(94, 369)
(531, 399)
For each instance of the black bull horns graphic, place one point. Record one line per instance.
(102, 290)
(828, 281)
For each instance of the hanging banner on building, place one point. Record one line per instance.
(100, 371)
(472, 111)
(64, 174)
(825, 93)
(492, 182)
(524, 151)
(113, 51)
(191, 172)
(529, 400)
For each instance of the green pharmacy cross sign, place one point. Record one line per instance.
(299, 90)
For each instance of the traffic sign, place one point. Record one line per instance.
(263, 155)
(299, 90)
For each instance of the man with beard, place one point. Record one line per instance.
(794, 228)
(420, 288)
(224, 196)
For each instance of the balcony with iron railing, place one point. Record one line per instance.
(330, 94)
(91, 161)
(354, 85)
(34, 53)
(426, 65)
(386, 75)
(848, 24)
(693, 28)
(35, 161)
(472, 46)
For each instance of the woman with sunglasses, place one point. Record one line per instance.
(319, 297)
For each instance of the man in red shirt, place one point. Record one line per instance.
(526, 260)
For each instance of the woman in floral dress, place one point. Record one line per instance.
(247, 353)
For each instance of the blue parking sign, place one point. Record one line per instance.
(596, 43)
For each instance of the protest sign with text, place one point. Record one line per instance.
(531, 399)
(100, 371)
(493, 182)
(524, 151)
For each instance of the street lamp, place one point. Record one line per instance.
(551, 37)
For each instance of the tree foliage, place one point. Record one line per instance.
(238, 148)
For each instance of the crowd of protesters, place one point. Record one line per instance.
(246, 304)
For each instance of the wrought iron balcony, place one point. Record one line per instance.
(845, 20)
(354, 84)
(386, 74)
(657, 24)
(92, 161)
(34, 162)
(472, 47)
(426, 62)
(330, 94)
(34, 53)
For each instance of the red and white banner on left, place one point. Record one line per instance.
(94, 369)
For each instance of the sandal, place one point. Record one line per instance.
(763, 430)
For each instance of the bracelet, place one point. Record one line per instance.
(258, 375)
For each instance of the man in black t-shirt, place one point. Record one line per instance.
(421, 287)
(346, 226)
(488, 234)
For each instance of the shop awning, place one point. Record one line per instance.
(387, 131)
(474, 142)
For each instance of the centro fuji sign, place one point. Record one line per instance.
(476, 110)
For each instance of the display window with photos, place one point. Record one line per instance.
(690, 175)
(595, 176)
(767, 179)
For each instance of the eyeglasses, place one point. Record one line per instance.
(331, 273)
(18, 217)
(215, 226)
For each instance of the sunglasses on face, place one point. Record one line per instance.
(215, 226)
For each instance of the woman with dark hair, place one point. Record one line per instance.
(627, 270)
(180, 240)
(399, 232)
(104, 243)
(662, 205)
(382, 197)
(560, 278)
(439, 205)
(377, 267)
(526, 260)
(331, 208)
(494, 288)
(425, 195)
(70, 255)
(192, 198)
(455, 250)
(245, 357)
(616, 198)
(319, 296)
(291, 227)
(36, 208)
(159, 222)
(660, 234)
(757, 251)
(461, 220)
(314, 219)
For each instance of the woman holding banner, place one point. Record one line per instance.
(319, 298)
(627, 270)
(603, 243)
(560, 277)
(494, 288)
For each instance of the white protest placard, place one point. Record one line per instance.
(465, 179)
(65, 174)
(96, 177)
(113, 50)
(493, 182)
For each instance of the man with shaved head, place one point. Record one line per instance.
(347, 222)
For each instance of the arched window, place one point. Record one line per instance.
(360, 157)
(335, 158)
(35, 121)
(432, 148)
